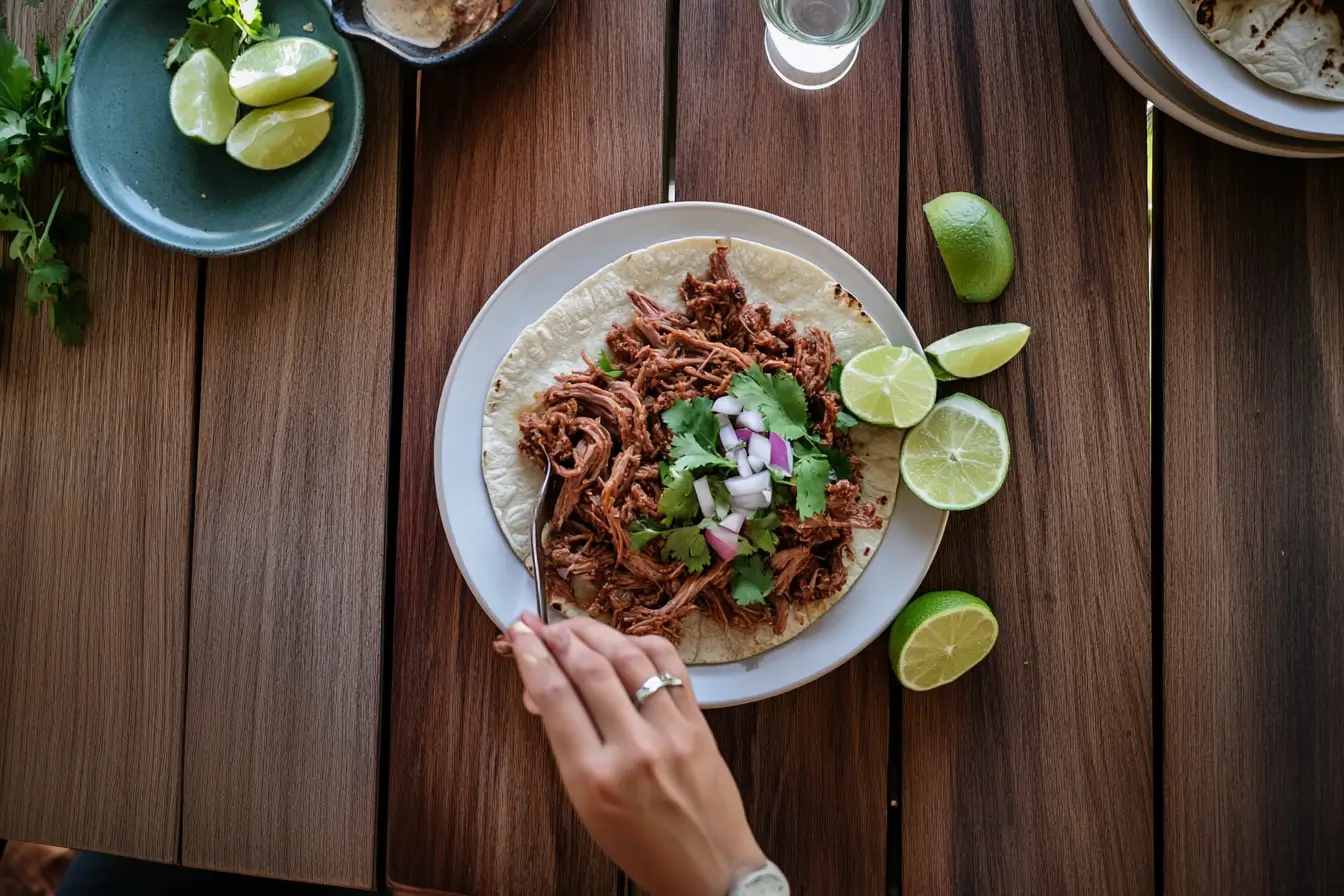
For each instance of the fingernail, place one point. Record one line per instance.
(518, 628)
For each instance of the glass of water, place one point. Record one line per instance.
(813, 43)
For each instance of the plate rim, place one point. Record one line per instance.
(536, 257)
(1223, 105)
(349, 58)
(1133, 73)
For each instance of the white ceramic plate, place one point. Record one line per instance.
(1110, 27)
(1223, 81)
(502, 584)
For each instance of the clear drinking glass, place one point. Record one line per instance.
(813, 43)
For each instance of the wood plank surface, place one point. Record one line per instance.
(285, 661)
(1253, 615)
(95, 497)
(812, 764)
(1033, 774)
(510, 155)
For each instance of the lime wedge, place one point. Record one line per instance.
(280, 70)
(957, 457)
(203, 109)
(939, 373)
(939, 636)
(979, 350)
(279, 136)
(888, 385)
(974, 241)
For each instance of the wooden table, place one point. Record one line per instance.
(232, 634)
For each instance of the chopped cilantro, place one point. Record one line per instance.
(604, 364)
(688, 454)
(722, 499)
(744, 547)
(688, 545)
(761, 532)
(845, 420)
(643, 531)
(752, 580)
(841, 468)
(678, 501)
(694, 418)
(810, 475)
(779, 397)
(833, 383)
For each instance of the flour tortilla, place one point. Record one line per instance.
(580, 320)
(1292, 46)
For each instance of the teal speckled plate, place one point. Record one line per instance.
(178, 193)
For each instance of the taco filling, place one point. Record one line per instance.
(707, 465)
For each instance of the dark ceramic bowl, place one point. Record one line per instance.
(177, 193)
(515, 27)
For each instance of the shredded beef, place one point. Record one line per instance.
(605, 436)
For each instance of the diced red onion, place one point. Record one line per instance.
(758, 446)
(745, 485)
(727, 405)
(753, 501)
(752, 420)
(744, 434)
(757, 465)
(781, 454)
(723, 541)
(704, 496)
(734, 521)
(728, 436)
(742, 459)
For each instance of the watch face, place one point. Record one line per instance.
(769, 881)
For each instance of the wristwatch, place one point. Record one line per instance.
(767, 881)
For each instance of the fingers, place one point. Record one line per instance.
(632, 664)
(568, 726)
(592, 675)
(666, 659)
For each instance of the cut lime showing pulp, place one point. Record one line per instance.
(279, 136)
(888, 385)
(203, 109)
(974, 241)
(939, 373)
(939, 636)
(979, 350)
(280, 70)
(957, 457)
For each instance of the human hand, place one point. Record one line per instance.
(648, 782)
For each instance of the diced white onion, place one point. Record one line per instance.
(758, 446)
(734, 520)
(728, 436)
(752, 420)
(743, 461)
(757, 465)
(724, 420)
(704, 496)
(753, 501)
(727, 405)
(745, 485)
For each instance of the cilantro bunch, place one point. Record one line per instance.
(226, 26)
(33, 130)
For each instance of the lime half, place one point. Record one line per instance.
(974, 241)
(979, 350)
(279, 136)
(939, 636)
(203, 109)
(957, 457)
(888, 385)
(280, 70)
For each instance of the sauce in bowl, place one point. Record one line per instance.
(434, 23)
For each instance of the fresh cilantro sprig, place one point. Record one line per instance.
(604, 364)
(678, 501)
(695, 434)
(844, 420)
(226, 26)
(778, 397)
(752, 580)
(33, 130)
(683, 543)
(761, 533)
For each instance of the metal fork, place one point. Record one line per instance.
(540, 516)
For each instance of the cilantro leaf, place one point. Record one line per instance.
(722, 499)
(678, 501)
(688, 545)
(845, 420)
(688, 454)
(643, 531)
(752, 580)
(810, 475)
(16, 78)
(228, 27)
(694, 418)
(833, 382)
(779, 397)
(761, 532)
(604, 364)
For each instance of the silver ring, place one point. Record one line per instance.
(655, 684)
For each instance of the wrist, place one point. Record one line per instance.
(765, 879)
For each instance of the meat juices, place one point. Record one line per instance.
(434, 23)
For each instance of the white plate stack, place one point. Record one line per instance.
(1156, 48)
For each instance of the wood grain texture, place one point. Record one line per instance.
(510, 156)
(1033, 774)
(285, 662)
(95, 496)
(812, 764)
(1253, 615)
